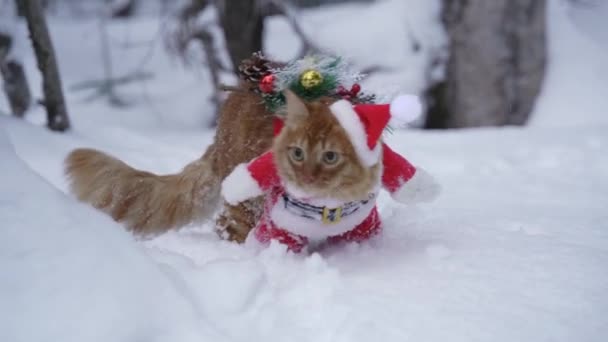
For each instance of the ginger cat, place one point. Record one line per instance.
(150, 204)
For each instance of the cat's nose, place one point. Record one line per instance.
(308, 179)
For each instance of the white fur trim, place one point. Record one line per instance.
(349, 120)
(314, 229)
(405, 109)
(422, 187)
(239, 186)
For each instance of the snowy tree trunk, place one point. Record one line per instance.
(57, 116)
(15, 83)
(496, 63)
(243, 24)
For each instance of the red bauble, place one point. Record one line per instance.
(267, 83)
(341, 91)
(349, 94)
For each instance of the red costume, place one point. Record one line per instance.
(294, 218)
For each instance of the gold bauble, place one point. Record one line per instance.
(310, 79)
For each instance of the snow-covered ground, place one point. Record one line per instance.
(516, 248)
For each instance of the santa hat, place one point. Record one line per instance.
(364, 123)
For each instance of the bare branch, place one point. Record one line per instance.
(192, 10)
(372, 69)
(133, 77)
(224, 87)
(106, 57)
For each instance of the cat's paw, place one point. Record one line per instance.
(421, 188)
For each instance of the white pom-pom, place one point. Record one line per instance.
(405, 108)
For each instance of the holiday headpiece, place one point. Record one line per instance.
(364, 123)
(310, 78)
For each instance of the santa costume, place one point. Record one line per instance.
(295, 218)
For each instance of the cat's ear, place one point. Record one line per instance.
(296, 109)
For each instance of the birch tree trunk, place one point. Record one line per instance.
(496, 63)
(57, 116)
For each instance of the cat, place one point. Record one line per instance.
(322, 175)
(150, 204)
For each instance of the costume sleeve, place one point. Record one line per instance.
(406, 183)
(251, 179)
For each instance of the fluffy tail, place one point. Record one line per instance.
(146, 203)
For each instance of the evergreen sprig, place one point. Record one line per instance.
(335, 73)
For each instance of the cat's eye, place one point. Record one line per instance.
(296, 154)
(330, 157)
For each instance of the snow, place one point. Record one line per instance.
(70, 274)
(515, 248)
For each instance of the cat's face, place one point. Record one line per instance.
(313, 153)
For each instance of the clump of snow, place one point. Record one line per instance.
(227, 286)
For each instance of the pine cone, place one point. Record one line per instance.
(254, 68)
